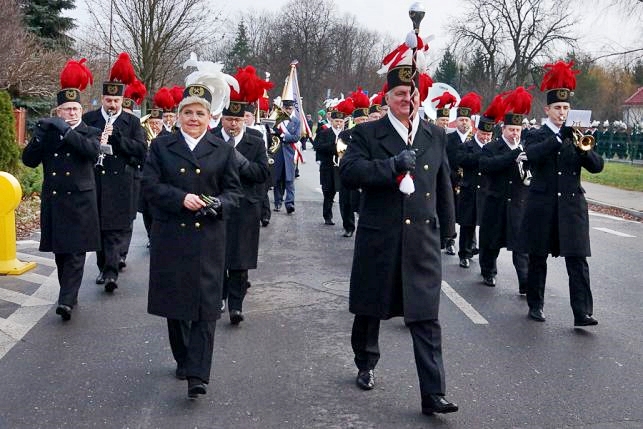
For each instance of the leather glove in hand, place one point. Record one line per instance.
(54, 124)
(522, 156)
(404, 161)
(242, 161)
(212, 209)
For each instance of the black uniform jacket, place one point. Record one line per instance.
(68, 210)
(397, 267)
(556, 220)
(242, 238)
(467, 158)
(187, 256)
(117, 202)
(502, 198)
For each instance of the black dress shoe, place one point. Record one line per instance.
(265, 222)
(196, 387)
(329, 222)
(180, 373)
(585, 320)
(277, 208)
(464, 263)
(100, 280)
(64, 311)
(348, 234)
(522, 289)
(365, 379)
(290, 209)
(236, 317)
(536, 314)
(148, 244)
(122, 264)
(489, 281)
(450, 250)
(110, 285)
(475, 251)
(437, 404)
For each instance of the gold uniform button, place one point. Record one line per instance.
(197, 225)
(53, 192)
(509, 199)
(53, 174)
(182, 225)
(510, 182)
(478, 186)
(182, 170)
(67, 173)
(407, 221)
(198, 171)
(426, 167)
(559, 194)
(560, 173)
(68, 154)
(116, 172)
(102, 172)
(68, 193)
(479, 173)
(428, 195)
(427, 221)
(55, 155)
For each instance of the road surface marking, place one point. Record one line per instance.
(463, 305)
(35, 258)
(611, 231)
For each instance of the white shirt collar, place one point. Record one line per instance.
(237, 138)
(551, 126)
(191, 141)
(402, 130)
(463, 137)
(106, 116)
(478, 141)
(511, 146)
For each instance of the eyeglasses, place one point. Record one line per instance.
(70, 109)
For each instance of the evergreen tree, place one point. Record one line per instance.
(44, 19)
(9, 152)
(240, 51)
(447, 71)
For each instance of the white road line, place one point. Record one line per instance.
(463, 305)
(39, 259)
(22, 299)
(32, 277)
(24, 243)
(611, 231)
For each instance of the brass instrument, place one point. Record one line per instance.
(149, 132)
(274, 147)
(340, 149)
(525, 173)
(582, 141)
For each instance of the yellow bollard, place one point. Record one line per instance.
(10, 194)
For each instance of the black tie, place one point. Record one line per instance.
(231, 141)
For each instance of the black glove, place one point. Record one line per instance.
(242, 161)
(404, 161)
(212, 209)
(566, 132)
(54, 124)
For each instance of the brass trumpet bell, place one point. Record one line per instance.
(582, 141)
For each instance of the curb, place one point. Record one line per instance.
(634, 213)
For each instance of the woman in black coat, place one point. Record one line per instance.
(191, 182)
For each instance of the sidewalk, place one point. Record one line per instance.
(629, 201)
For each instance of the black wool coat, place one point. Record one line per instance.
(467, 158)
(502, 197)
(326, 151)
(397, 267)
(556, 220)
(68, 209)
(187, 257)
(243, 224)
(117, 196)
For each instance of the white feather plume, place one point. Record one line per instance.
(209, 74)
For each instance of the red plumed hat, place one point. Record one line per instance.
(164, 99)
(425, 84)
(496, 109)
(264, 104)
(177, 94)
(361, 103)
(122, 70)
(74, 77)
(559, 81)
(470, 104)
(517, 105)
(136, 91)
(343, 109)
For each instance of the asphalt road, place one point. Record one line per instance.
(289, 365)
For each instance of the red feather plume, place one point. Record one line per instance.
(377, 99)
(251, 86)
(425, 84)
(264, 104)
(473, 101)
(447, 100)
(518, 101)
(75, 74)
(164, 99)
(136, 91)
(559, 75)
(122, 70)
(177, 94)
(360, 99)
(496, 109)
(346, 106)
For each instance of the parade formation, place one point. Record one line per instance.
(214, 155)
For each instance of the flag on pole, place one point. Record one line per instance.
(291, 92)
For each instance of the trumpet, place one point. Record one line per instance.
(105, 148)
(583, 142)
(340, 149)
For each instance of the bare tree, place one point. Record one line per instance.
(515, 35)
(158, 34)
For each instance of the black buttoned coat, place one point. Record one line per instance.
(556, 220)
(242, 226)
(187, 256)
(502, 198)
(325, 145)
(68, 209)
(117, 200)
(467, 158)
(397, 267)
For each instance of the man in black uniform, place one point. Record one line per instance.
(556, 219)
(115, 176)
(67, 149)
(396, 266)
(242, 226)
(469, 105)
(503, 196)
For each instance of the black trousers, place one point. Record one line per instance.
(580, 293)
(467, 241)
(147, 221)
(192, 344)
(70, 276)
(327, 204)
(427, 348)
(235, 287)
(112, 244)
(347, 207)
(127, 239)
(488, 267)
(265, 205)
